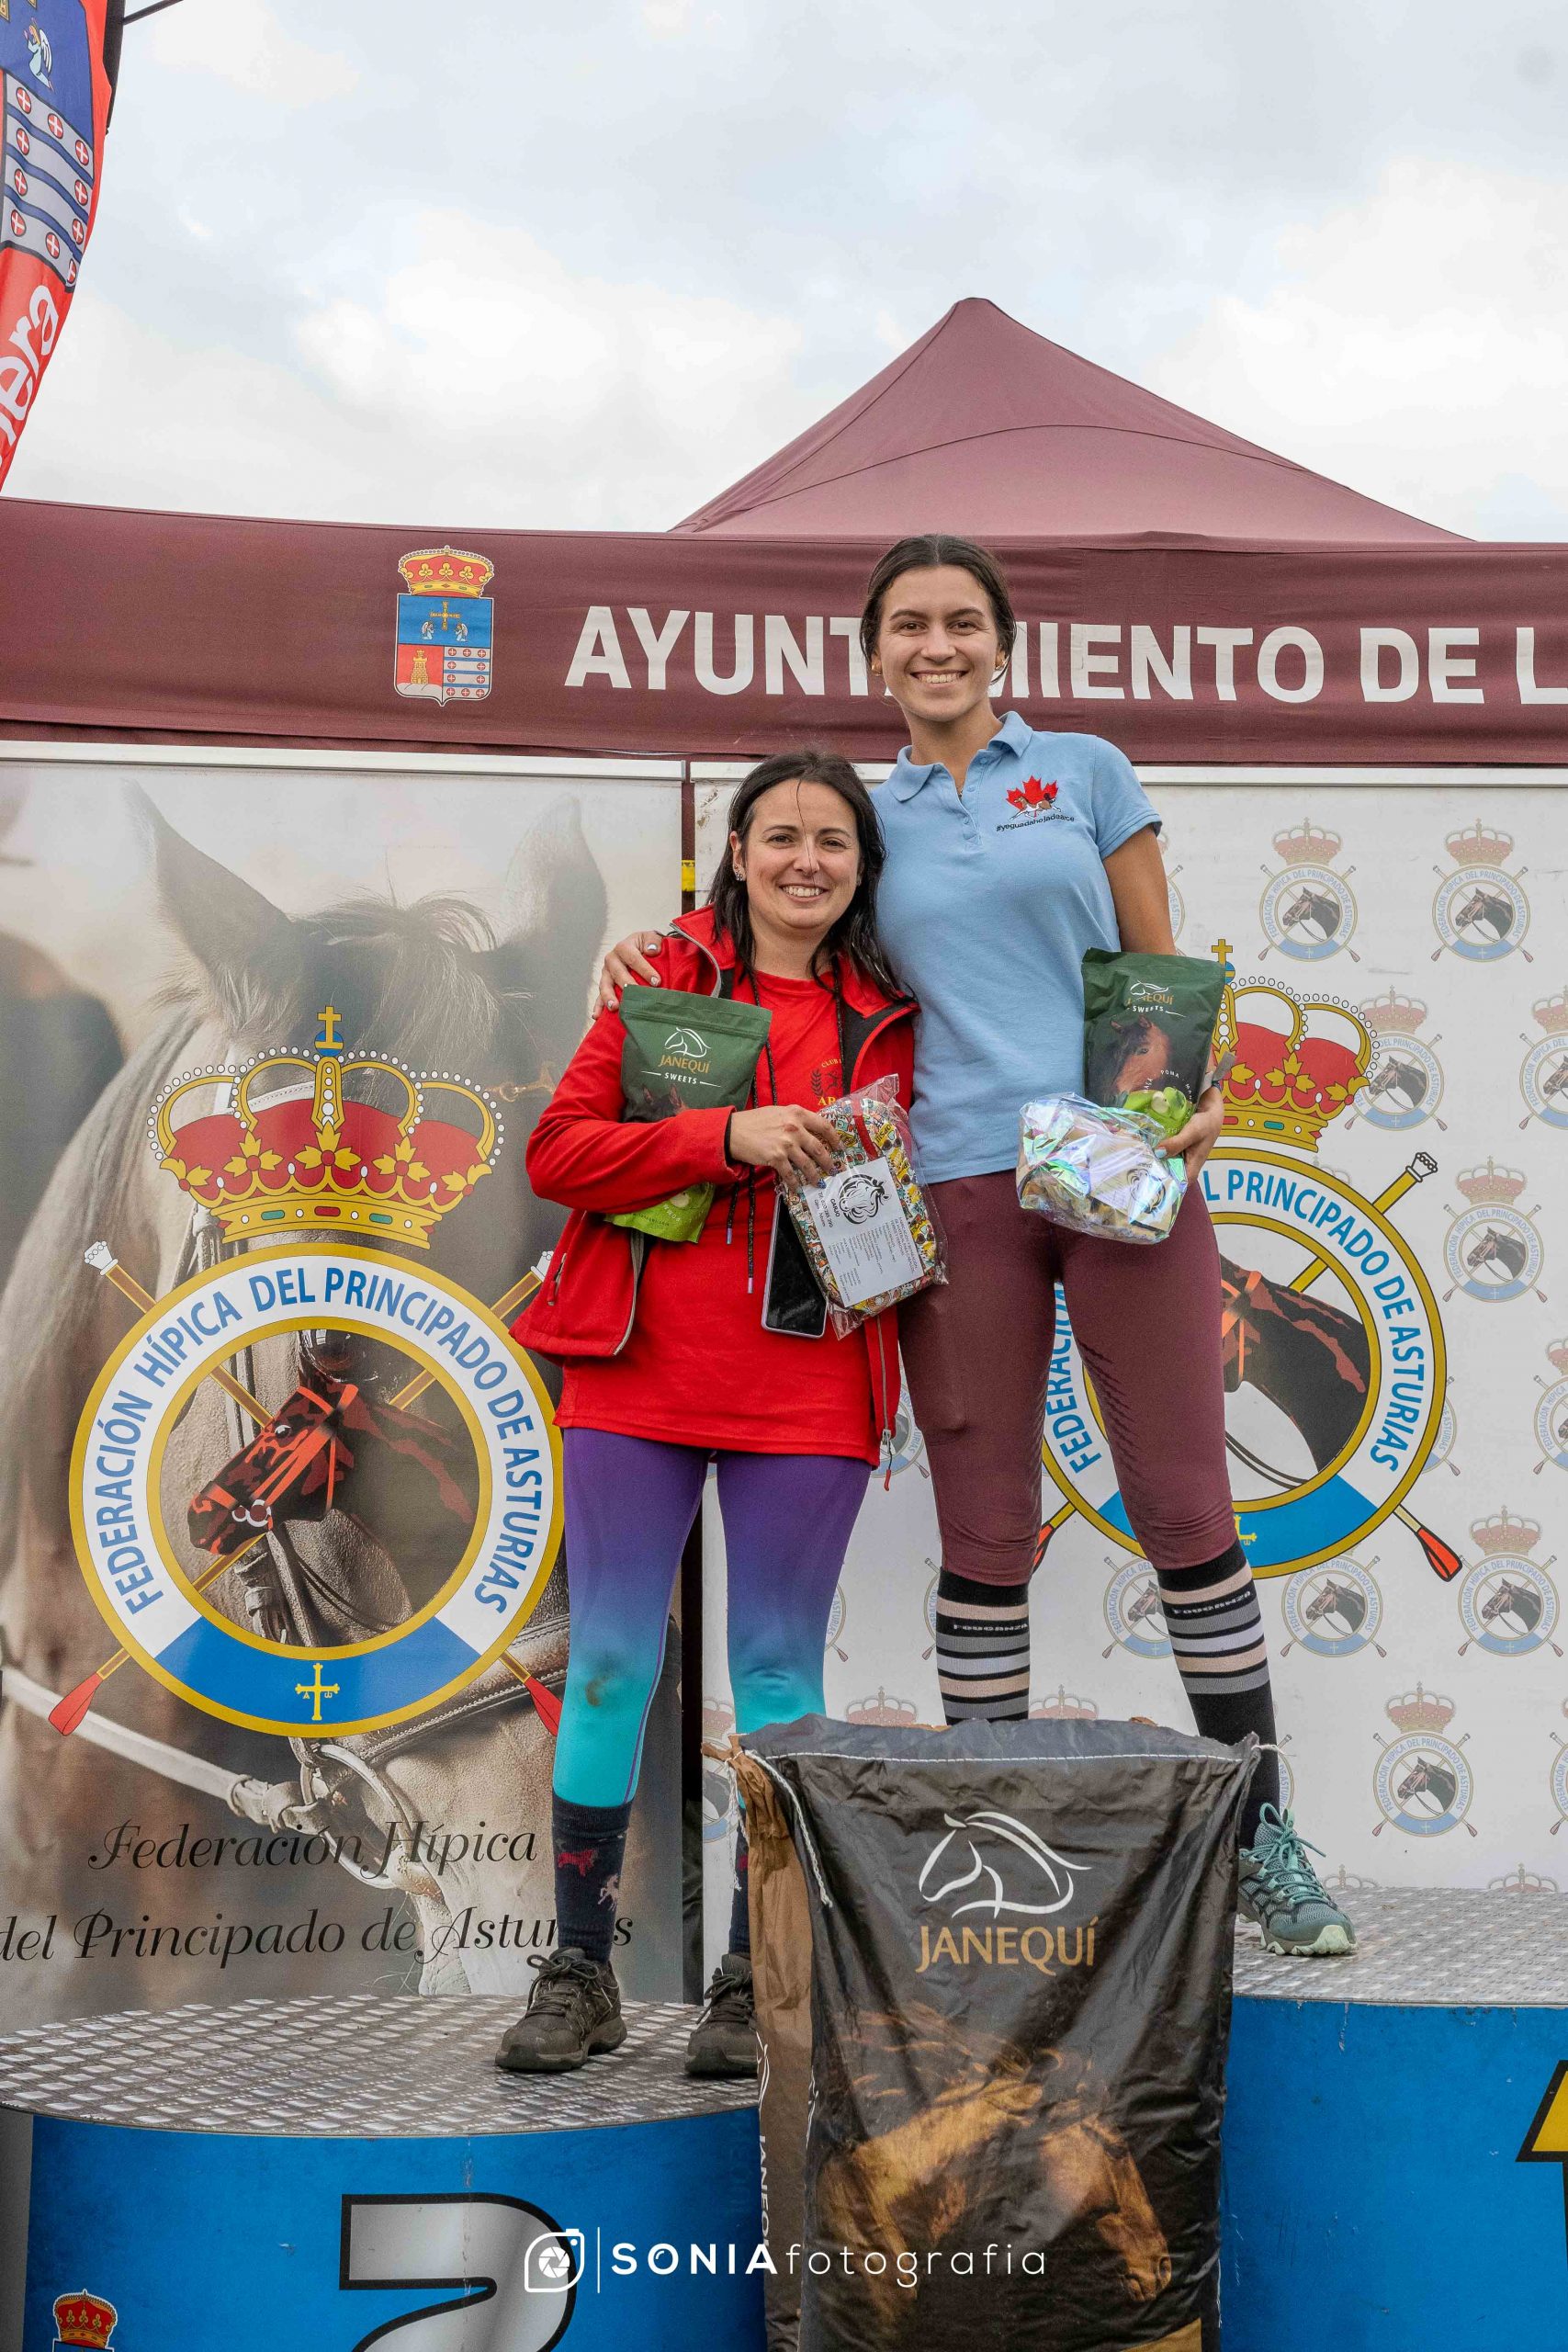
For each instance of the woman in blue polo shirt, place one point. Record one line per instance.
(1009, 852)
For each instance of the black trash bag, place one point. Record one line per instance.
(1021, 1949)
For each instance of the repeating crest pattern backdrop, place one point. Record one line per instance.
(1390, 1195)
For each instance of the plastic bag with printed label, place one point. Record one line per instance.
(868, 1229)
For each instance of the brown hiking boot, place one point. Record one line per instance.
(724, 2040)
(574, 2012)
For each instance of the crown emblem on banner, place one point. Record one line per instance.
(1294, 1062)
(84, 2320)
(445, 571)
(298, 1142)
(1062, 1707)
(1522, 1881)
(1482, 844)
(1308, 844)
(1393, 1012)
(1557, 1351)
(1504, 1535)
(1420, 1710)
(882, 1709)
(1493, 1185)
(1552, 1011)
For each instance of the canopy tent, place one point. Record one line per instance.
(985, 428)
(1195, 597)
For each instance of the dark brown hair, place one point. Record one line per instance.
(854, 934)
(926, 552)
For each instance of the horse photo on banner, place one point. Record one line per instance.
(58, 61)
(283, 1621)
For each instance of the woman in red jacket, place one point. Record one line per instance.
(675, 1352)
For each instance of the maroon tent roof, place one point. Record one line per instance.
(986, 428)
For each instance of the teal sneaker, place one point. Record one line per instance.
(1281, 1892)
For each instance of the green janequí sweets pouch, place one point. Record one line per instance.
(1148, 1027)
(686, 1053)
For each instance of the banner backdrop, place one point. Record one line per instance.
(338, 634)
(282, 1599)
(58, 59)
(1398, 1415)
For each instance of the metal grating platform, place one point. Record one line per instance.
(364, 2066)
(1427, 1948)
(359, 2065)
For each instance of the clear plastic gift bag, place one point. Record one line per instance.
(867, 1228)
(1098, 1170)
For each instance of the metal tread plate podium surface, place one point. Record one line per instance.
(1396, 2140)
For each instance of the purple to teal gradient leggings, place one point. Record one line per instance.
(630, 1502)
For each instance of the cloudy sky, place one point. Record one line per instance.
(582, 266)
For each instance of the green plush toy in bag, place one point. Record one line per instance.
(686, 1053)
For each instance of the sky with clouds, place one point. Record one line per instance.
(390, 260)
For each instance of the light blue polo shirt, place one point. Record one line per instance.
(986, 903)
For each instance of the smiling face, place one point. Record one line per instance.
(938, 647)
(800, 860)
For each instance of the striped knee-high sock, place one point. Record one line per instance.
(982, 1649)
(1216, 1634)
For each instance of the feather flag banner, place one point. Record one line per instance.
(57, 63)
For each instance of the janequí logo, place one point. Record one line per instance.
(318, 1158)
(990, 1864)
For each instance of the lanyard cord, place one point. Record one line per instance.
(750, 1179)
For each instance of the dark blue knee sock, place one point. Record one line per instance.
(590, 1841)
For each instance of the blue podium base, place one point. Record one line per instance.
(320, 2174)
(1395, 2141)
(331, 2173)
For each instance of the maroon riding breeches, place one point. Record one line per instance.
(977, 1353)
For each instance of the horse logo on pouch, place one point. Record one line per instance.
(1508, 1603)
(1308, 911)
(445, 626)
(1422, 1782)
(1543, 1078)
(321, 1158)
(1481, 912)
(1407, 1086)
(1334, 1358)
(1492, 1252)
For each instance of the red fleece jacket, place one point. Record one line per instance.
(586, 1155)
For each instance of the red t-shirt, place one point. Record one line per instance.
(699, 1369)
